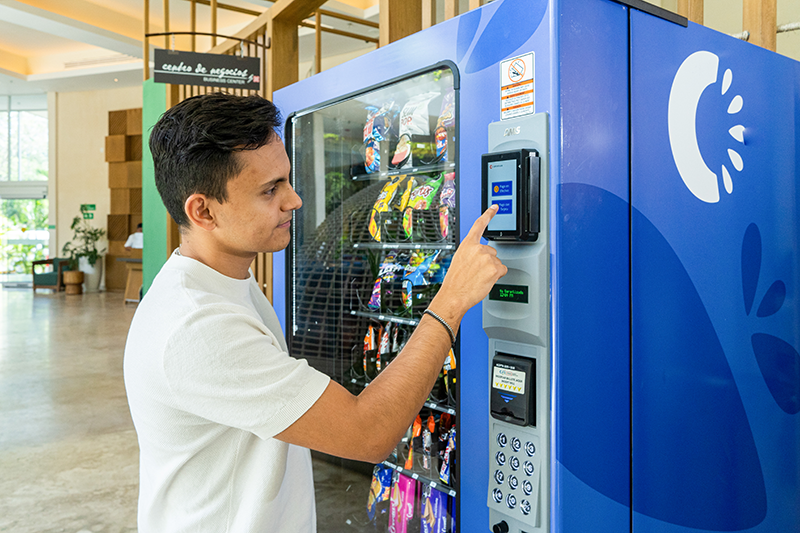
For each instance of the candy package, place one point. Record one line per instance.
(416, 433)
(446, 119)
(377, 128)
(401, 511)
(415, 276)
(449, 453)
(387, 272)
(380, 489)
(421, 198)
(434, 511)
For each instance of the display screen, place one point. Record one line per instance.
(502, 190)
(509, 293)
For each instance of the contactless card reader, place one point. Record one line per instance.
(514, 389)
(510, 180)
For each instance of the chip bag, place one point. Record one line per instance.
(421, 198)
(379, 491)
(383, 204)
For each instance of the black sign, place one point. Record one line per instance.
(209, 70)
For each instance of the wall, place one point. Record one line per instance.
(81, 173)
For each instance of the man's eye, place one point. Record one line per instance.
(270, 192)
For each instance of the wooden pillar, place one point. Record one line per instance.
(166, 24)
(398, 19)
(173, 234)
(450, 9)
(318, 42)
(146, 41)
(282, 55)
(428, 13)
(691, 9)
(193, 24)
(760, 19)
(475, 4)
(214, 23)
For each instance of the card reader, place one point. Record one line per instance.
(513, 396)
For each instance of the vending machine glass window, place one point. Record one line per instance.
(377, 172)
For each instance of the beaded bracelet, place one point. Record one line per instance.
(443, 322)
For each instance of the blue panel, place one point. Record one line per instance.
(590, 273)
(716, 268)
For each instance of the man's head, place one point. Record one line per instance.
(195, 146)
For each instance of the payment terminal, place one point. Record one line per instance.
(516, 321)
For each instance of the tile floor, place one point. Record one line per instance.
(68, 451)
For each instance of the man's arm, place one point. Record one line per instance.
(368, 426)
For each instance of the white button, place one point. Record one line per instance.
(498, 477)
(514, 462)
(527, 488)
(500, 457)
(515, 444)
(530, 449)
(502, 439)
(497, 495)
(511, 501)
(525, 507)
(513, 482)
(528, 468)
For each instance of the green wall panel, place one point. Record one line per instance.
(154, 214)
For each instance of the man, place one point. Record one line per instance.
(135, 239)
(224, 415)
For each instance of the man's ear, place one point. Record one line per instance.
(199, 210)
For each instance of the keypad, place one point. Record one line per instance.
(512, 485)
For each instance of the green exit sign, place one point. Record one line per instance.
(88, 216)
(87, 207)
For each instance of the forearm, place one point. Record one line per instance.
(396, 396)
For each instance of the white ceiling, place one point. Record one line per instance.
(73, 45)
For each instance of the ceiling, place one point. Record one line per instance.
(79, 45)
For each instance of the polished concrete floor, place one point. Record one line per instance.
(68, 451)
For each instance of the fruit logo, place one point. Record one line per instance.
(695, 75)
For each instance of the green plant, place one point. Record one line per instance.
(83, 243)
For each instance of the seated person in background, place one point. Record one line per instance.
(135, 240)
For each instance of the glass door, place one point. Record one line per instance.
(378, 176)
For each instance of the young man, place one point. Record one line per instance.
(224, 415)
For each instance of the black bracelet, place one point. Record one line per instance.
(443, 322)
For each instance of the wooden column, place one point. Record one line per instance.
(760, 19)
(450, 9)
(166, 24)
(213, 22)
(318, 42)
(146, 41)
(691, 9)
(475, 4)
(193, 24)
(282, 55)
(428, 13)
(398, 19)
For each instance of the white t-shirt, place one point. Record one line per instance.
(210, 383)
(135, 240)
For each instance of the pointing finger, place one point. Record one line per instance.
(482, 223)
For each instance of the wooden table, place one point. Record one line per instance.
(133, 285)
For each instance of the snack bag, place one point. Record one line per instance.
(414, 120)
(427, 442)
(449, 366)
(447, 199)
(445, 424)
(383, 350)
(415, 277)
(421, 198)
(372, 156)
(387, 272)
(444, 473)
(383, 203)
(416, 431)
(379, 491)
(369, 345)
(434, 511)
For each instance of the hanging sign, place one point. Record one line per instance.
(517, 87)
(209, 70)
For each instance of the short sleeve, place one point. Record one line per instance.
(224, 365)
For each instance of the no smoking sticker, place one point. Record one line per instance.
(517, 96)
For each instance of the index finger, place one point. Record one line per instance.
(480, 225)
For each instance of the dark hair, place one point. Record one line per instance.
(194, 145)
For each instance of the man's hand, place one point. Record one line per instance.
(473, 272)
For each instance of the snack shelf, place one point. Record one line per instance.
(404, 246)
(387, 318)
(438, 485)
(423, 169)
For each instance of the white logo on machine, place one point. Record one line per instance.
(694, 76)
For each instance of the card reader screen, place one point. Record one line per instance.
(509, 293)
(502, 190)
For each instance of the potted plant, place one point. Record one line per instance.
(84, 256)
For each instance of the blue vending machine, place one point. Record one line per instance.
(638, 369)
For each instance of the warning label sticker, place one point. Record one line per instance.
(508, 380)
(517, 95)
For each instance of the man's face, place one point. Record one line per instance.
(257, 215)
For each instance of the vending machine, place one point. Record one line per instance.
(637, 370)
